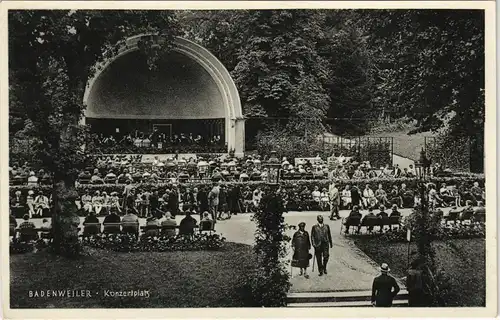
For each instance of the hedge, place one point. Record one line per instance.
(387, 183)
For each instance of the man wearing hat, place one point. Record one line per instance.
(334, 196)
(321, 239)
(384, 288)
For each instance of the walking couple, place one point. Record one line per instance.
(321, 240)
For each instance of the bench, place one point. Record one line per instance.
(352, 222)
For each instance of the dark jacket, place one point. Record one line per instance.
(318, 237)
(382, 290)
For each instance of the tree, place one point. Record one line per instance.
(52, 54)
(350, 80)
(431, 68)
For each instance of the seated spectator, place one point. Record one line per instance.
(369, 199)
(368, 219)
(84, 177)
(353, 219)
(316, 196)
(468, 212)
(112, 218)
(480, 212)
(32, 179)
(382, 215)
(87, 201)
(477, 192)
(110, 177)
(91, 218)
(206, 216)
(152, 226)
(381, 195)
(346, 197)
(395, 196)
(407, 196)
(358, 174)
(355, 196)
(17, 204)
(125, 177)
(446, 196)
(395, 212)
(41, 204)
(97, 202)
(187, 225)
(434, 199)
(168, 226)
(45, 224)
(96, 178)
(130, 218)
(27, 230)
(257, 196)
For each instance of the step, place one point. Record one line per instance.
(343, 304)
(336, 296)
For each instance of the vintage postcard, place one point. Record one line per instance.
(248, 159)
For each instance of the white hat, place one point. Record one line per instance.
(384, 267)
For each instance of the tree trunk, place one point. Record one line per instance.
(65, 220)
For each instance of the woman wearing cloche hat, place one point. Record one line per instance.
(301, 244)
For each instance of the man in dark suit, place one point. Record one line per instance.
(321, 239)
(382, 288)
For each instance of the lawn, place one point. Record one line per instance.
(174, 279)
(463, 260)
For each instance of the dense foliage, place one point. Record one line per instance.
(269, 283)
(52, 54)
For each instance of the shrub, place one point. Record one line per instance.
(269, 283)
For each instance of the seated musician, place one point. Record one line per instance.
(370, 216)
(353, 219)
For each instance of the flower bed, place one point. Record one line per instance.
(130, 243)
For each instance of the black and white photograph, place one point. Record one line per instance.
(301, 158)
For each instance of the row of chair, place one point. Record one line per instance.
(89, 229)
(368, 224)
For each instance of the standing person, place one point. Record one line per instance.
(414, 285)
(202, 200)
(382, 288)
(213, 200)
(334, 196)
(355, 197)
(301, 245)
(223, 207)
(173, 201)
(321, 237)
